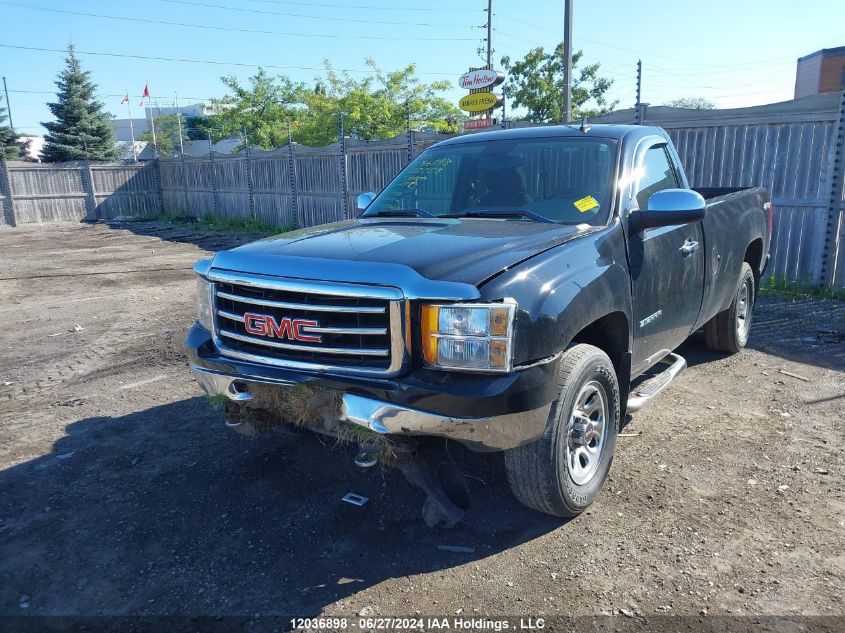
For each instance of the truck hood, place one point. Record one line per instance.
(466, 251)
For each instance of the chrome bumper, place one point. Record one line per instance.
(492, 433)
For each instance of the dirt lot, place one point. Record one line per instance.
(121, 492)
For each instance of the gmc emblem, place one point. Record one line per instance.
(265, 325)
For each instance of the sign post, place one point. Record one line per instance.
(481, 99)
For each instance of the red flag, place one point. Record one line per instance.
(125, 99)
(146, 93)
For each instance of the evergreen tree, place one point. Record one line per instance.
(82, 128)
(9, 146)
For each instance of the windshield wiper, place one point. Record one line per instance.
(399, 213)
(504, 213)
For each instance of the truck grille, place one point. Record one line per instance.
(358, 328)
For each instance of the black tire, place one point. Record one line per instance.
(539, 473)
(728, 331)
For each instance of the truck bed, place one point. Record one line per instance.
(708, 193)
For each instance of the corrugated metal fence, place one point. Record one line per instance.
(36, 193)
(793, 149)
(296, 186)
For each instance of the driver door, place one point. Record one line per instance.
(667, 265)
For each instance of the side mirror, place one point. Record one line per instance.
(364, 200)
(670, 207)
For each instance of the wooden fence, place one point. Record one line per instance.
(794, 149)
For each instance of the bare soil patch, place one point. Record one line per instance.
(121, 492)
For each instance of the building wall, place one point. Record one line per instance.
(832, 67)
(807, 76)
(820, 72)
(122, 131)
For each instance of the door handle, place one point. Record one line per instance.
(689, 247)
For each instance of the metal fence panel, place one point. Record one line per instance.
(7, 216)
(789, 159)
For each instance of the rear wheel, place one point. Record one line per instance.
(728, 331)
(563, 472)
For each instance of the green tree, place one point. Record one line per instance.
(375, 107)
(82, 128)
(167, 134)
(198, 127)
(262, 109)
(691, 103)
(10, 146)
(536, 84)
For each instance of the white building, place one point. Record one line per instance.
(123, 132)
(36, 144)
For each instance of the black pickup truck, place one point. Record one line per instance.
(508, 290)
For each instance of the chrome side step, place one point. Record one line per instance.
(641, 394)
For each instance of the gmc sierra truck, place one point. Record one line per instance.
(517, 291)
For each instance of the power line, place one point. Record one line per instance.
(367, 7)
(121, 94)
(536, 26)
(517, 37)
(765, 62)
(199, 61)
(310, 17)
(233, 28)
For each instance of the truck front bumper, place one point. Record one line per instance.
(490, 433)
(486, 413)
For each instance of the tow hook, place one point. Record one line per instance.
(368, 456)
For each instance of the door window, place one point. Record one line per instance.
(657, 175)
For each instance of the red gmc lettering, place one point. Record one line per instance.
(255, 324)
(292, 329)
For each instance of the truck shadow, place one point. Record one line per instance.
(185, 231)
(165, 511)
(809, 331)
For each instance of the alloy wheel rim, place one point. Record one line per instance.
(587, 433)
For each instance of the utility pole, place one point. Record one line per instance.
(489, 34)
(9, 105)
(410, 132)
(567, 61)
(638, 108)
(344, 182)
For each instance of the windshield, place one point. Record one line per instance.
(566, 180)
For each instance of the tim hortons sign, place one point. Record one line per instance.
(481, 78)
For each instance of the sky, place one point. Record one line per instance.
(731, 52)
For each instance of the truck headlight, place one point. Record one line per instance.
(470, 337)
(205, 315)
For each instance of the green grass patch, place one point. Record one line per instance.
(217, 400)
(210, 223)
(779, 286)
(220, 224)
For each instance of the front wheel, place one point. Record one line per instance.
(563, 472)
(728, 331)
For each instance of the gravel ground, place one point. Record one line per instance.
(121, 492)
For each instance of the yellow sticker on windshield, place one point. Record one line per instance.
(585, 204)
